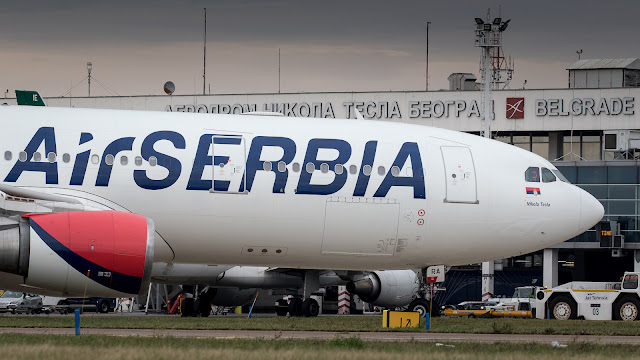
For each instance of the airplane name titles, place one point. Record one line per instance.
(328, 181)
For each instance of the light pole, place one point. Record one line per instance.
(427, 65)
(579, 52)
(89, 66)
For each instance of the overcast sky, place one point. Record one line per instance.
(369, 45)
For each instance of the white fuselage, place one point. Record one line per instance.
(277, 214)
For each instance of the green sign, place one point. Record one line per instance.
(30, 98)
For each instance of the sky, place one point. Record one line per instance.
(360, 45)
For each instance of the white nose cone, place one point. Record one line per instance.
(591, 211)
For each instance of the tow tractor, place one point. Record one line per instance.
(592, 300)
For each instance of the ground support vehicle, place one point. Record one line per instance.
(97, 304)
(592, 300)
(471, 309)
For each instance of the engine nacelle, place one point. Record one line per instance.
(100, 253)
(391, 288)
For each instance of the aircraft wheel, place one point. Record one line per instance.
(204, 307)
(187, 307)
(310, 308)
(295, 307)
(282, 309)
(471, 316)
(104, 306)
(419, 305)
(563, 308)
(627, 309)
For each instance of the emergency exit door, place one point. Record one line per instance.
(460, 175)
(228, 153)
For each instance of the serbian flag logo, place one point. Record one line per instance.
(533, 191)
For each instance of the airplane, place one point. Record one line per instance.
(91, 199)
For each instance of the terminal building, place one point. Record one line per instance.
(590, 131)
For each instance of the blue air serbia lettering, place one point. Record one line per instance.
(200, 179)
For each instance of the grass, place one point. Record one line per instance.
(332, 323)
(55, 347)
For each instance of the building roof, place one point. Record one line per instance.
(588, 64)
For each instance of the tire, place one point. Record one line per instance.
(419, 305)
(295, 307)
(103, 307)
(310, 308)
(282, 309)
(563, 308)
(187, 308)
(204, 306)
(627, 309)
(471, 316)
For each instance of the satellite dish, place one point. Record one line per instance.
(169, 87)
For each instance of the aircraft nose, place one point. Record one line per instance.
(591, 211)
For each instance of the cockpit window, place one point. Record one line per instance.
(560, 176)
(532, 174)
(547, 176)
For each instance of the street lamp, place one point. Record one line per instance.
(89, 66)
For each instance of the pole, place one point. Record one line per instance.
(427, 62)
(204, 68)
(278, 70)
(486, 111)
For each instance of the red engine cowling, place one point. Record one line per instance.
(100, 253)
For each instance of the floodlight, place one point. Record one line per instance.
(479, 21)
(497, 21)
(487, 27)
(504, 25)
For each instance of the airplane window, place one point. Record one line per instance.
(124, 160)
(532, 174)
(7, 155)
(37, 156)
(381, 170)
(138, 160)
(153, 161)
(353, 169)
(51, 157)
(66, 158)
(310, 167)
(560, 176)
(339, 169)
(282, 166)
(395, 171)
(95, 159)
(266, 166)
(324, 167)
(366, 170)
(547, 176)
(109, 159)
(22, 156)
(295, 167)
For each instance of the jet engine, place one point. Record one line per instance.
(100, 253)
(393, 288)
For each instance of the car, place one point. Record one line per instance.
(471, 309)
(20, 302)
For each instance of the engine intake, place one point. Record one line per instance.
(105, 253)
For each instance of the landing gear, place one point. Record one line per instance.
(295, 307)
(310, 308)
(419, 305)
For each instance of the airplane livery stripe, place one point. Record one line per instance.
(103, 276)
